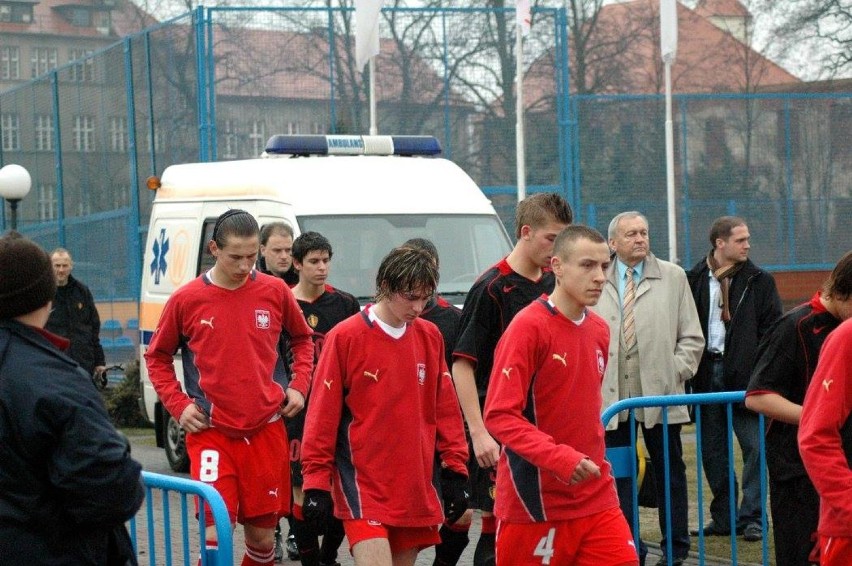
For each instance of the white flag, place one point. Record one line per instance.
(524, 18)
(668, 30)
(366, 31)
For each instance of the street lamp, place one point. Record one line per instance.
(15, 184)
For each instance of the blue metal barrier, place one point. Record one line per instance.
(159, 522)
(625, 465)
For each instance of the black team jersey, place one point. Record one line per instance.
(494, 300)
(446, 317)
(787, 359)
(322, 314)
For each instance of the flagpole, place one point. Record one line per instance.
(374, 130)
(668, 51)
(519, 112)
(670, 180)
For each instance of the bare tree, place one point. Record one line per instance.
(827, 24)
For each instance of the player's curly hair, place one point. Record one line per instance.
(404, 270)
(310, 242)
(838, 286)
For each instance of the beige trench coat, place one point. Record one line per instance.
(668, 335)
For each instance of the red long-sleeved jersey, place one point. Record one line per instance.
(825, 433)
(543, 406)
(383, 416)
(229, 340)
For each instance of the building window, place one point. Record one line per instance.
(84, 70)
(11, 127)
(292, 128)
(318, 128)
(118, 134)
(80, 17)
(257, 137)
(84, 133)
(44, 132)
(229, 151)
(121, 197)
(154, 143)
(10, 63)
(18, 13)
(46, 201)
(42, 60)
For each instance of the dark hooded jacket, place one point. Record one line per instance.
(67, 482)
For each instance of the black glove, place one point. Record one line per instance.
(317, 509)
(455, 493)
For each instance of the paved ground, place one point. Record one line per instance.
(153, 460)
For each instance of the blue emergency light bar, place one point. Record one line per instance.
(352, 145)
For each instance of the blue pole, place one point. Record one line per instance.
(57, 158)
(134, 272)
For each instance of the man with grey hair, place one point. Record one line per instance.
(655, 346)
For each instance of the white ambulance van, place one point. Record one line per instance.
(366, 194)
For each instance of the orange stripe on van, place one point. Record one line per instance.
(149, 315)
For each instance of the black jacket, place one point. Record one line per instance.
(75, 317)
(67, 482)
(755, 305)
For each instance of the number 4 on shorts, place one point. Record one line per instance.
(544, 548)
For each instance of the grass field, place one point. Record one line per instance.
(716, 549)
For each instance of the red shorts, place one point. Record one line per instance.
(835, 551)
(602, 539)
(400, 538)
(251, 474)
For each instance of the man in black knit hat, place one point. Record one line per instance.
(67, 482)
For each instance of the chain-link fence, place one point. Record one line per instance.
(216, 83)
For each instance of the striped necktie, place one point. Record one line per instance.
(628, 327)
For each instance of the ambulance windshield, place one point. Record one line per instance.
(467, 245)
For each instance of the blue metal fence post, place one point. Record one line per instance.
(684, 172)
(210, 78)
(134, 271)
(332, 50)
(57, 158)
(788, 183)
(200, 90)
(445, 59)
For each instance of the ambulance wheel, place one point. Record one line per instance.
(175, 445)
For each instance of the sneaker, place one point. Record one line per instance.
(675, 561)
(712, 530)
(753, 532)
(292, 548)
(279, 548)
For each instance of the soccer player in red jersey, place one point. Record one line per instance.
(825, 443)
(556, 499)
(495, 298)
(227, 324)
(384, 429)
(323, 307)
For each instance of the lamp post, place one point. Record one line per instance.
(15, 184)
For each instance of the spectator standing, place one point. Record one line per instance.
(825, 443)
(276, 252)
(276, 259)
(786, 362)
(67, 482)
(454, 536)
(737, 303)
(656, 344)
(384, 427)
(227, 323)
(75, 316)
(495, 298)
(556, 501)
(323, 307)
